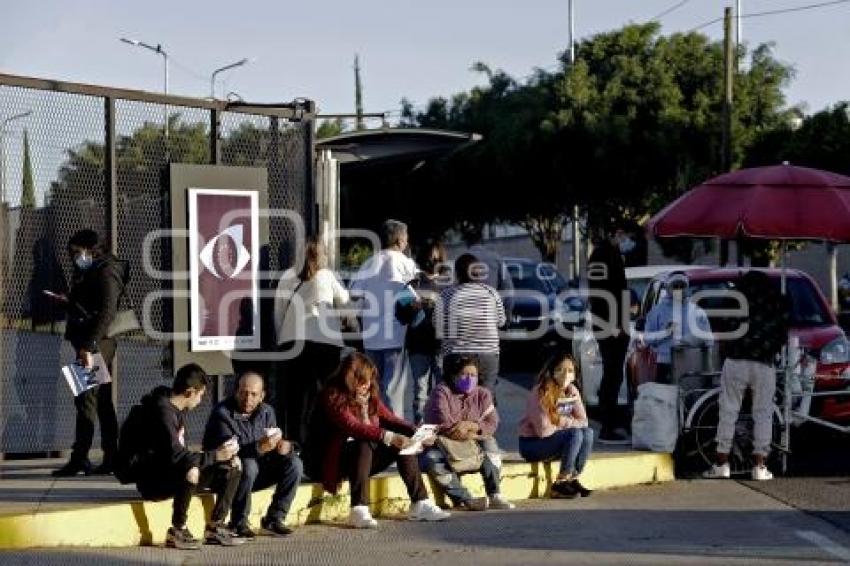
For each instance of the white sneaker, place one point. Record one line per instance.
(360, 518)
(718, 472)
(498, 501)
(426, 511)
(761, 473)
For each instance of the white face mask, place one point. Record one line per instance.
(83, 261)
(627, 245)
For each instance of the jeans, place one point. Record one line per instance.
(572, 446)
(221, 478)
(96, 404)
(362, 459)
(273, 469)
(393, 376)
(736, 378)
(426, 372)
(435, 463)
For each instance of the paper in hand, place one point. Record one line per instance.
(423, 433)
(80, 379)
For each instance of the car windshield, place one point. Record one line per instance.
(806, 307)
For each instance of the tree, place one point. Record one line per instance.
(27, 184)
(330, 128)
(358, 94)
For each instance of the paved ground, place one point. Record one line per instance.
(696, 522)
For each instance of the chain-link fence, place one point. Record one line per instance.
(74, 156)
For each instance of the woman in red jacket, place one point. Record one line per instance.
(354, 436)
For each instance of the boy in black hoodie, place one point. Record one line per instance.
(164, 467)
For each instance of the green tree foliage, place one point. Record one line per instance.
(27, 184)
(330, 128)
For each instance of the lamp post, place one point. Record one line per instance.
(3, 125)
(159, 51)
(239, 63)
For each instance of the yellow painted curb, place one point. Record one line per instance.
(141, 522)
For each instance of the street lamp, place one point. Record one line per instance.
(239, 63)
(3, 125)
(160, 51)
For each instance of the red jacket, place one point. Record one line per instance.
(332, 427)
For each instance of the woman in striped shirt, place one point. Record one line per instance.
(468, 316)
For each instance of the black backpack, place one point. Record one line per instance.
(132, 447)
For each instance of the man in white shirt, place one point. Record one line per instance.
(378, 283)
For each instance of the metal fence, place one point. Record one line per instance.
(76, 156)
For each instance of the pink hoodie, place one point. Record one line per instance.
(536, 422)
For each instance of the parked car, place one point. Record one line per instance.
(811, 319)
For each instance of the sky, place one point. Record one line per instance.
(408, 49)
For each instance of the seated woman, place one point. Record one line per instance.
(464, 412)
(555, 426)
(354, 436)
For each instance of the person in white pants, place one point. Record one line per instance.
(749, 365)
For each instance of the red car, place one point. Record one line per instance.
(811, 318)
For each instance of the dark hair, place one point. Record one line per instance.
(190, 376)
(312, 251)
(355, 369)
(392, 232)
(463, 266)
(453, 364)
(425, 257)
(88, 239)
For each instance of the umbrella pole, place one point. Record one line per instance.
(784, 262)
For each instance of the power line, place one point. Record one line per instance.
(670, 9)
(772, 13)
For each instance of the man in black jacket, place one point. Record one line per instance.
(165, 467)
(92, 304)
(267, 458)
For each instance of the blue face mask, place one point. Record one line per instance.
(466, 382)
(627, 245)
(83, 261)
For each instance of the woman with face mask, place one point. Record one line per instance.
(98, 281)
(555, 426)
(464, 412)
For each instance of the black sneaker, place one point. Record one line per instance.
(608, 436)
(73, 468)
(181, 539)
(221, 535)
(563, 490)
(275, 526)
(244, 530)
(580, 489)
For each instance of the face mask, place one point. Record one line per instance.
(363, 398)
(83, 261)
(627, 245)
(466, 383)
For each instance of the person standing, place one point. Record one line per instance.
(468, 316)
(378, 283)
(309, 326)
(749, 365)
(609, 306)
(268, 459)
(97, 284)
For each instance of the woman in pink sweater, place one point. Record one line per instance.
(555, 426)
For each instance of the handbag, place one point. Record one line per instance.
(462, 455)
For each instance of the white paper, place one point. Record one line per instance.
(423, 433)
(80, 380)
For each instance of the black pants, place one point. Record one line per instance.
(222, 479)
(613, 352)
(362, 459)
(96, 404)
(298, 386)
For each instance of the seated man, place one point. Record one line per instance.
(267, 459)
(153, 455)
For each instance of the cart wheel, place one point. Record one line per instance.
(699, 446)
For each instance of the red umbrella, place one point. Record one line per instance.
(780, 202)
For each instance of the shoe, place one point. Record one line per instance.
(719, 472)
(563, 490)
(361, 518)
(761, 473)
(275, 526)
(73, 468)
(181, 539)
(580, 489)
(244, 530)
(498, 501)
(105, 469)
(222, 536)
(607, 436)
(426, 511)
(474, 504)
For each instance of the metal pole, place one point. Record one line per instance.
(739, 35)
(111, 220)
(215, 73)
(832, 250)
(572, 33)
(576, 260)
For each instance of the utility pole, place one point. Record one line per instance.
(728, 81)
(575, 264)
(358, 94)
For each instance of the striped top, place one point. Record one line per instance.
(467, 318)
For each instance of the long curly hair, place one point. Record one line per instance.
(549, 388)
(356, 369)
